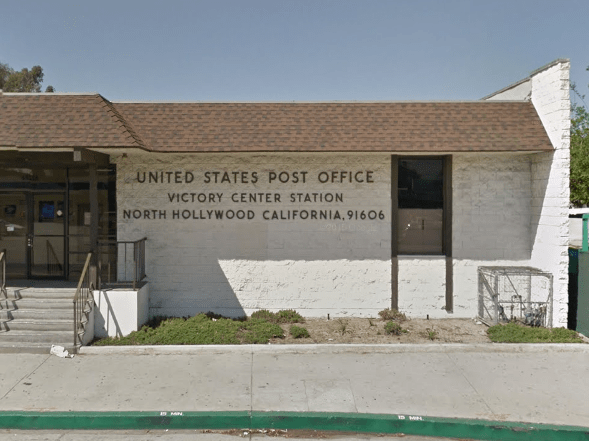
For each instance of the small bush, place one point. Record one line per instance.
(155, 321)
(214, 315)
(431, 333)
(264, 314)
(259, 331)
(516, 333)
(299, 332)
(393, 328)
(289, 316)
(282, 316)
(342, 325)
(197, 330)
(392, 314)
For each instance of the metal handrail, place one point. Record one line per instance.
(3, 269)
(81, 298)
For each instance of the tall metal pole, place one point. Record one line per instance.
(93, 221)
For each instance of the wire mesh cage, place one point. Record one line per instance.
(514, 293)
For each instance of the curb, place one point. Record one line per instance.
(341, 422)
(336, 349)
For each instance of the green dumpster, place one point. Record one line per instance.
(583, 283)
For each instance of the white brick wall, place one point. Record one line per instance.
(237, 266)
(319, 267)
(422, 286)
(491, 207)
(508, 209)
(490, 226)
(550, 183)
(491, 219)
(550, 173)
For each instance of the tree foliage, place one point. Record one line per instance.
(579, 152)
(24, 80)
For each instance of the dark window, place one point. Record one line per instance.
(421, 202)
(421, 183)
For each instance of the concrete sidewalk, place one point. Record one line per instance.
(546, 384)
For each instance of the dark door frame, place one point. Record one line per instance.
(446, 228)
(29, 196)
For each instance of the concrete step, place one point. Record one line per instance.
(38, 314)
(38, 325)
(36, 336)
(8, 304)
(34, 348)
(32, 319)
(27, 303)
(41, 293)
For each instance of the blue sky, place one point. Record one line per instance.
(301, 50)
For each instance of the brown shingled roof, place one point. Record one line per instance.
(340, 127)
(56, 120)
(47, 120)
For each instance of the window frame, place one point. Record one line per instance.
(446, 205)
(446, 227)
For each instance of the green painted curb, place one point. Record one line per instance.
(124, 420)
(418, 425)
(342, 422)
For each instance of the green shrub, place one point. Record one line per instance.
(566, 334)
(516, 333)
(431, 333)
(197, 330)
(214, 315)
(393, 328)
(289, 316)
(155, 321)
(202, 329)
(392, 314)
(342, 325)
(299, 332)
(264, 314)
(259, 331)
(282, 316)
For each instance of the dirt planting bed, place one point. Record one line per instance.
(371, 331)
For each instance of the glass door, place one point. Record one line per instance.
(14, 221)
(46, 239)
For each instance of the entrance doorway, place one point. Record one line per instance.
(33, 232)
(45, 213)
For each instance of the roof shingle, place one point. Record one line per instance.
(48, 120)
(54, 120)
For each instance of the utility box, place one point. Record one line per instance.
(514, 293)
